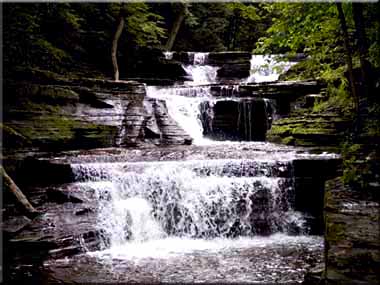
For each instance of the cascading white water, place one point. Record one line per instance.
(198, 58)
(195, 199)
(199, 71)
(183, 105)
(190, 113)
(229, 90)
(267, 68)
(201, 220)
(168, 55)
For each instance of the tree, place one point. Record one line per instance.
(23, 202)
(348, 54)
(181, 13)
(142, 28)
(244, 28)
(362, 45)
(119, 30)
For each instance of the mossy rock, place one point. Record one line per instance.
(43, 94)
(13, 138)
(56, 131)
(288, 140)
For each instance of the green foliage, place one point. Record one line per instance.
(143, 26)
(339, 99)
(222, 26)
(39, 34)
(55, 54)
(311, 28)
(355, 172)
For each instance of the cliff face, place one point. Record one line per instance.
(85, 113)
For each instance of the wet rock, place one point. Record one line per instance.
(310, 130)
(312, 99)
(284, 94)
(229, 119)
(215, 58)
(171, 132)
(57, 196)
(183, 57)
(14, 224)
(236, 70)
(84, 211)
(352, 235)
(82, 113)
(315, 275)
(220, 58)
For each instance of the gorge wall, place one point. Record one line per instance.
(84, 113)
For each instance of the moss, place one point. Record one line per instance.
(301, 70)
(334, 231)
(302, 129)
(288, 140)
(13, 138)
(356, 173)
(26, 106)
(47, 94)
(64, 132)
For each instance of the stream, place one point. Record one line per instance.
(222, 210)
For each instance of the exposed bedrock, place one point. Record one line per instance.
(85, 113)
(285, 94)
(352, 234)
(149, 65)
(215, 58)
(233, 65)
(310, 130)
(234, 71)
(246, 119)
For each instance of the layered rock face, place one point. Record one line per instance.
(352, 235)
(233, 65)
(150, 65)
(85, 113)
(303, 127)
(236, 120)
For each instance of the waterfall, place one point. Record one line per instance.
(200, 58)
(266, 68)
(199, 71)
(229, 90)
(195, 199)
(192, 105)
(184, 106)
(168, 55)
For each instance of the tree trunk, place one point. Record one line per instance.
(365, 82)
(357, 9)
(232, 32)
(25, 205)
(115, 41)
(343, 24)
(176, 25)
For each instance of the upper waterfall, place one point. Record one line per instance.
(168, 54)
(267, 68)
(202, 107)
(199, 71)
